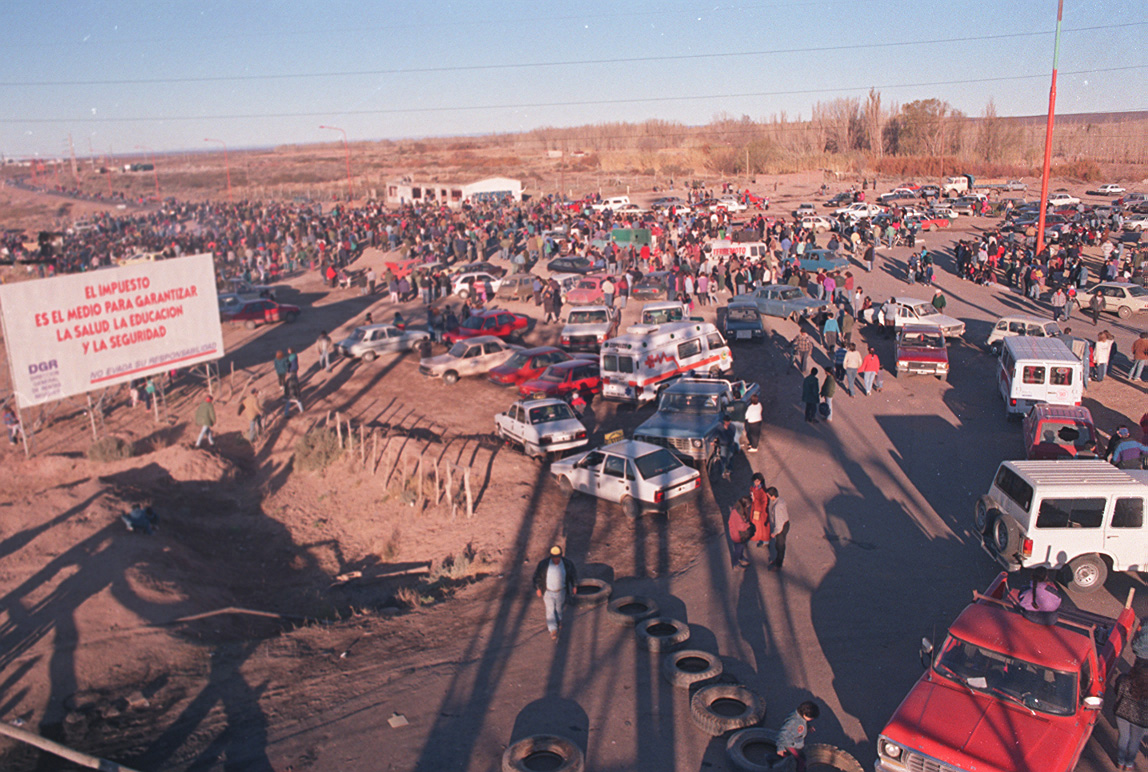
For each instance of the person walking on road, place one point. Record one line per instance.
(759, 509)
(205, 419)
(829, 331)
(870, 368)
(778, 527)
(253, 407)
(324, 345)
(1102, 353)
(1131, 713)
(740, 531)
(791, 737)
(753, 423)
(554, 579)
(939, 301)
(811, 395)
(725, 440)
(802, 348)
(852, 365)
(1095, 306)
(1139, 358)
(828, 389)
(1058, 301)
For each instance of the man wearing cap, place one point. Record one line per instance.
(554, 578)
(205, 419)
(725, 439)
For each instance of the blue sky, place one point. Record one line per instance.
(166, 75)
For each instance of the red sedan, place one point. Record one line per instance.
(527, 365)
(495, 321)
(564, 378)
(255, 312)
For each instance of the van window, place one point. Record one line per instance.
(714, 340)
(1071, 513)
(1032, 374)
(1060, 376)
(1012, 485)
(690, 348)
(616, 364)
(1129, 513)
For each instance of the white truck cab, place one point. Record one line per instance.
(1033, 370)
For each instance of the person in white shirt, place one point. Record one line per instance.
(753, 423)
(554, 578)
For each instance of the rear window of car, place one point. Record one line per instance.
(1013, 485)
(1060, 376)
(1070, 513)
(1032, 374)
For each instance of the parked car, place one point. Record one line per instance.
(821, 260)
(541, 427)
(804, 210)
(839, 200)
(859, 210)
(1063, 199)
(1053, 432)
(929, 222)
(1010, 326)
(587, 291)
(253, 313)
(369, 341)
(517, 286)
(468, 357)
(484, 266)
(230, 302)
(572, 264)
(494, 321)
(526, 365)
(742, 321)
(817, 222)
(922, 350)
(898, 312)
(663, 312)
(728, 203)
(634, 474)
(1110, 189)
(652, 286)
(463, 284)
(1137, 222)
(565, 378)
(248, 290)
(1121, 298)
(588, 327)
(784, 301)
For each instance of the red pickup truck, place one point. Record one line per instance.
(1004, 693)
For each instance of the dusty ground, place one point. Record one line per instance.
(91, 651)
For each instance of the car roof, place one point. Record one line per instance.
(374, 326)
(923, 328)
(697, 386)
(1027, 319)
(533, 403)
(735, 303)
(570, 363)
(482, 339)
(539, 350)
(1122, 284)
(630, 448)
(909, 301)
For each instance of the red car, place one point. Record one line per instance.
(564, 378)
(527, 365)
(494, 321)
(261, 311)
(587, 291)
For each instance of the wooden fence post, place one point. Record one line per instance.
(469, 498)
(339, 430)
(374, 452)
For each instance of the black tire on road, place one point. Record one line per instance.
(249, 324)
(686, 667)
(591, 592)
(450, 377)
(1087, 573)
(631, 507)
(720, 708)
(530, 753)
(821, 755)
(290, 317)
(1124, 312)
(659, 634)
(628, 610)
(755, 750)
(369, 356)
(1006, 535)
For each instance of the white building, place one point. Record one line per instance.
(452, 194)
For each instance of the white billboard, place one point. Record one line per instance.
(78, 332)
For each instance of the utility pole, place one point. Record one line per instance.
(1045, 169)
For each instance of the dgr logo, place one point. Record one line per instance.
(43, 367)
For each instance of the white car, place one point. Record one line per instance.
(1063, 199)
(729, 203)
(587, 327)
(1136, 222)
(472, 356)
(816, 222)
(804, 210)
(859, 210)
(637, 475)
(369, 341)
(940, 210)
(463, 284)
(898, 312)
(541, 427)
(1110, 189)
(631, 209)
(1012, 326)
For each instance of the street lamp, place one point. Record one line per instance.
(154, 171)
(347, 149)
(227, 165)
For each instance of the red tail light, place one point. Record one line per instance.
(1012, 403)
(659, 496)
(1026, 549)
(580, 436)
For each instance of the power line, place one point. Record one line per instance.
(522, 105)
(535, 65)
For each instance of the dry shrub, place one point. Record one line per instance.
(1082, 169)
(391, 547)
(316, 449)
(107, 449)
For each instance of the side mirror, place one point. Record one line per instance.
(1093, 702)
(926, 653)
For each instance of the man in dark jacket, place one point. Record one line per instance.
(811, 395)
(554, 578)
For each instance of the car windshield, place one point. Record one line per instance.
(742, 314)
(688, 403)
(924, 309)
(553, 376)
(548, 413)
(473, 323)
(588, 285)
(923, 339)
(1138, 292)
(1035, 686)
(657, 463)
(587, 317)
(518, 360)
(357, 335)
(459, 349)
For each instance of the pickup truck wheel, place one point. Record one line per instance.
(632, 507)
(1124, 312)
(721, 707)
(754, 750)
(662, 634)
(820, 756)
(1087, 573)
(450, 377)
(1006, 535)
(686, 667)
(984, 513)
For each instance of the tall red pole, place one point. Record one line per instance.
(1048, 133)
(347, 150)
(226, 165)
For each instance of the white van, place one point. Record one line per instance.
(613, 202)
(1086, 515)
(637, 365)
(1033, 370)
